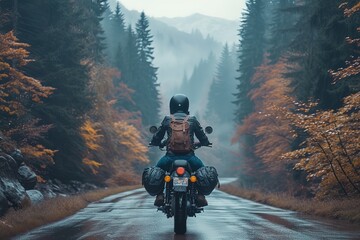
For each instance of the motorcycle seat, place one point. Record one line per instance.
(181, 163)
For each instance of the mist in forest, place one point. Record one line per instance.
(254, 92)
(82, 83)
(193, 63)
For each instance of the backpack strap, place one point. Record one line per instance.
(184, 121)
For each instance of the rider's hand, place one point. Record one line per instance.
(162, 144)
(197, 145)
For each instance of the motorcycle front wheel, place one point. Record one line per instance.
(180, 215)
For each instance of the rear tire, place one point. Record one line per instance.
(180, 213)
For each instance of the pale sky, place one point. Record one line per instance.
(228, 9)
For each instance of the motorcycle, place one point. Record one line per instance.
(181, 190)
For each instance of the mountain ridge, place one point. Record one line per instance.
(176, 52)
(222, 30)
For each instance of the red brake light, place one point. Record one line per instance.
(180, 171)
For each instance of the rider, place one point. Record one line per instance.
(179, 109)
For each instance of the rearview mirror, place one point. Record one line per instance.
(153, 129)
(208, 130)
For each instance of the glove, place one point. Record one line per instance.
(162, 144)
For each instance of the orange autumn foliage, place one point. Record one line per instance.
(91, 138)
(15, 86)
(17, 90)
(90, 135)
(348, 11)
(114, 144)
(270, 129)
(130, 140)
(330, 152)
(38, 155)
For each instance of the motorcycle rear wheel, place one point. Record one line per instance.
(180, 215)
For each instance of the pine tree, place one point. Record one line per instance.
(94, 41)
(7, 16)
(147, 96)
(114, 27)
(251, 47)
(129, 64)
(282, 32)
(64, 37)
(198, 84)
(319, 46)
(220, 107)
(18, 94)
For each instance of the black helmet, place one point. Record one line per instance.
(179, 103)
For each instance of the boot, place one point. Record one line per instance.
(201, 200)
(159, 201)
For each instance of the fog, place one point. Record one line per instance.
(187, 63)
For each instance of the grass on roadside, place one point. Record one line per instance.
(345, 209)
(51, 210)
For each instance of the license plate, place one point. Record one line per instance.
(183, 182)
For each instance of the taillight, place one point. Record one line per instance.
(180, 171)
(193, 179)
(167, 178)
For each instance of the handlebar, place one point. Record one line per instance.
(160, 147)
(198, 145)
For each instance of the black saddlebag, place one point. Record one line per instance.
(153, 180)
(207, 179)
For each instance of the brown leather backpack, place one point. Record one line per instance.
(179, 141)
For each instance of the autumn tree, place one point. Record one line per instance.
(270, 133)
(90, 133)
(64, 36)
(108, 151)
(89, 98)
(330, 152)
(19, 92)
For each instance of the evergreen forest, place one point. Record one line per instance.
(297, 97)
(79, 89)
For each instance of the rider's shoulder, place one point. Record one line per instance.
(179, 116)
(166, 120)
(192, 118)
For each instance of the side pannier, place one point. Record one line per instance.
(207, 179)
(153, 180)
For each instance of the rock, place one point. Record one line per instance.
(4, 206)
(4, 158)
(26, 177)
(88, 187)
(54, 187)
(17, 156)
(9, 185)
(35, 196)
(46, 189)
(13, 191)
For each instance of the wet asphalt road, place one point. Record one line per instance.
(131, 215)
